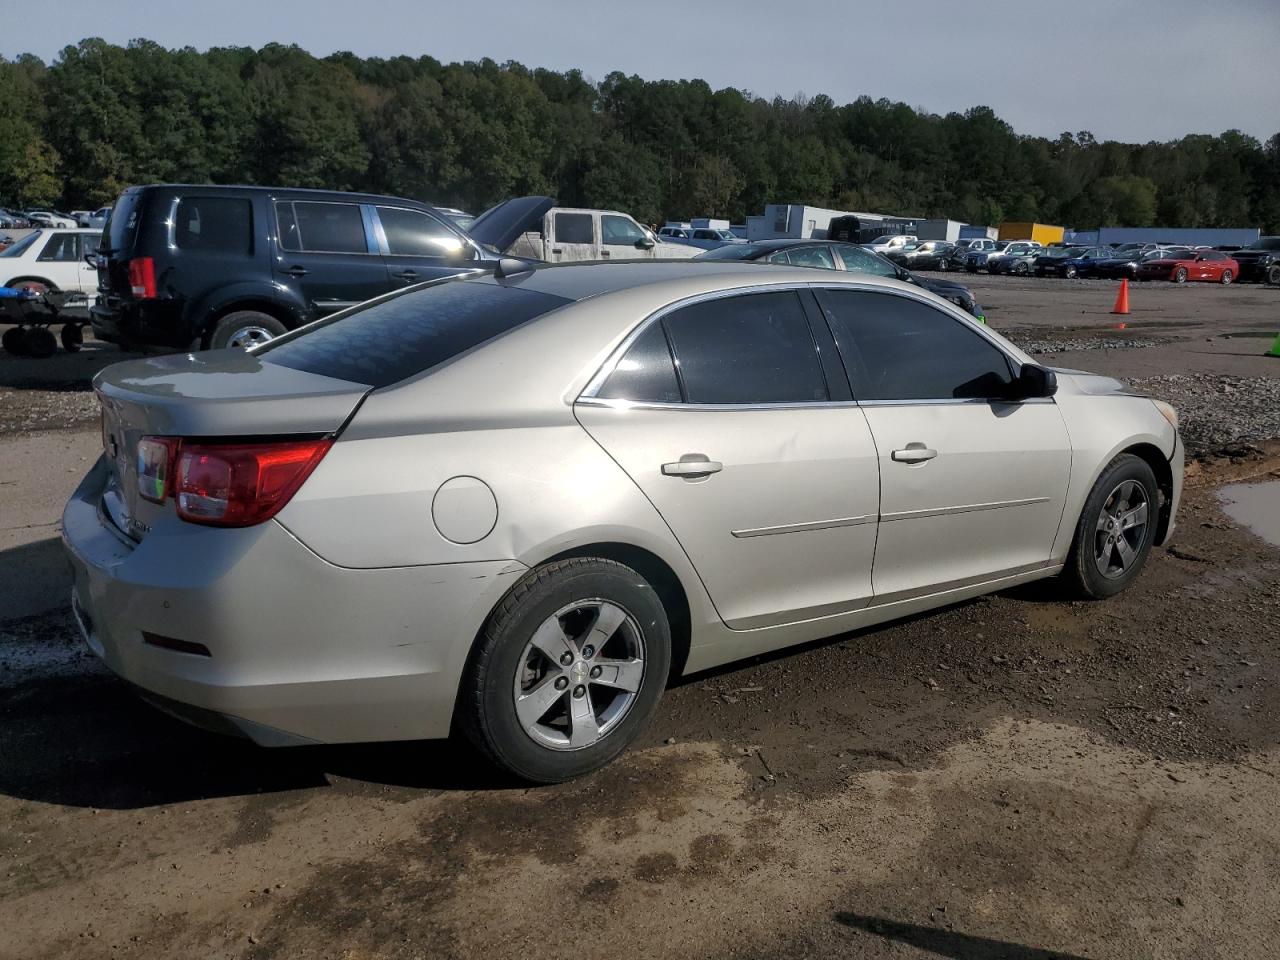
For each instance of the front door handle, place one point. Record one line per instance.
(692, 466)
(914, 453)
(406, 275)
(296, 271)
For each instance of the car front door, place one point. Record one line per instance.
(326, 256)
(573, 236)
(752, 452)
(972, 486)
(619, 237)
(59, 261)
(417, 247)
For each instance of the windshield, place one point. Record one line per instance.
(1267, 243)
(736, 251)
(23, 244)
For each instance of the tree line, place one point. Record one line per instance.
(101, 117)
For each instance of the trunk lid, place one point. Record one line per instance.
(220, 394)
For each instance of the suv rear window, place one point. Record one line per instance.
(395, 339)
(215, 224)
(122, 225)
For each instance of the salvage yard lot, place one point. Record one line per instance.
(1016, 776)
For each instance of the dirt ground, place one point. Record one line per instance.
(1014, 777)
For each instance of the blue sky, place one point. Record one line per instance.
(1131, 70)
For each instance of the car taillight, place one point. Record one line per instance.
(155, 467)
(226, 484)
(142, 277)
(238, 485)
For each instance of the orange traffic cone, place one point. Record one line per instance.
(1122, 298)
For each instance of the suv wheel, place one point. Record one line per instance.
(244, 329)
(1273, 274)
(568, 670)
(1115, 530)
(14, 341)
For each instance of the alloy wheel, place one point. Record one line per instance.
(249, 336)
(1121, 529)
(580, 674)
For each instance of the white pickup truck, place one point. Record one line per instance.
(570, 233)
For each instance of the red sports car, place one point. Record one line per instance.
(1211, 265)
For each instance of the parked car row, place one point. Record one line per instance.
(1133, 261)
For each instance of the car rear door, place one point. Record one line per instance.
(417, 247)
(752, 452)
(575, 236)
(972, 486)
(327, 256)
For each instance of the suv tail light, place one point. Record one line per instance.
(226, 484)
(142, 278)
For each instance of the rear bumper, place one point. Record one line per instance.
(299, 650)
(149, 322)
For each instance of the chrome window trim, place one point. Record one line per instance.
(588, 394)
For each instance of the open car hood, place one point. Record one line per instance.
(499, 227)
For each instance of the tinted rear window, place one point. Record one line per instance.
(395, 339)
(214, 224)
(122, 225)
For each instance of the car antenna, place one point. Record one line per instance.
(510, 266)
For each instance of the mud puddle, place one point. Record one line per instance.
(1256, 506)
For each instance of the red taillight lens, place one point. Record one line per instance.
(238, 485)
(155, 467)
(142, 278)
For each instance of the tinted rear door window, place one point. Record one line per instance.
(897, 348)
(329, 227)
(574, 228)
(405, 335)
(754, 348)
(61, 247)
(221, 224)
(646, 373)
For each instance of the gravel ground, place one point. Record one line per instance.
(1219, 412)
(1038, 343)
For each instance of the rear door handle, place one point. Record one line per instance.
(406, 275)
(296, 271)
(914, 453)
(692, 465)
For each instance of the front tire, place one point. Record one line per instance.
(568, 670)
(14, 341)
(1273, 275)
(1115, 531)
(1070, 273)
(244, 329)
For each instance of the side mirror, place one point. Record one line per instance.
(1034, 381)
(644, 243)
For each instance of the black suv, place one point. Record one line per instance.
(194, 267)
(1260, 262)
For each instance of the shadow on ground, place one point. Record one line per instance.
(948, 943)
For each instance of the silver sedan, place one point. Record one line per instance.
(517, 505)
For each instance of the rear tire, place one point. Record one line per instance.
(545, 742)
(41, 343)
(1180, 275)
(35, 285)
(244, 329)
(72, 337)
(1115, 531)
(14, 341)
(1227, 277)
